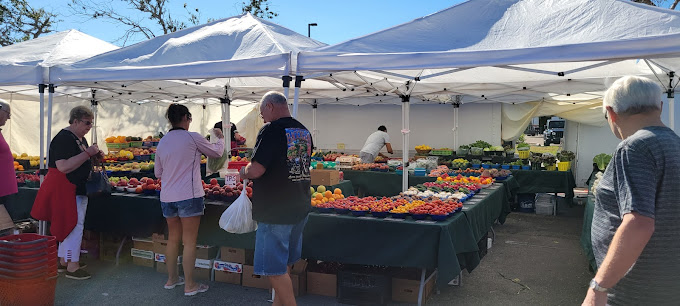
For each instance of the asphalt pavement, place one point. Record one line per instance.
(534, 260)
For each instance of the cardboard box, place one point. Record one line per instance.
(405, 288)
(145, 244)
(161, 266)
(298, 275)
(236, 255)
(228, 272)
(156, 236)
(142, 257)
(5, 220)
(109, 248)
(322, 284)
(206, 252)
(202, 269)
(252, 280)
(325, 177)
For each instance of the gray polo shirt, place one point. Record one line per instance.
(644, 177)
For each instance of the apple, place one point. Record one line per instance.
(213, 181)
(230, 194)
(206, 190)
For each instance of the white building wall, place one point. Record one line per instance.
(429, 124)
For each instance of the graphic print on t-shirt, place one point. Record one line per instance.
(298, 154)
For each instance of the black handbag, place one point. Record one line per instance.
(97, 182)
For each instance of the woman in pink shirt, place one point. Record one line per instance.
(178, 160)
(8, 181)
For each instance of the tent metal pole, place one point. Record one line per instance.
(95, 110)
(204, 121)
(405, 108)
(48, 139)
(226, 125)
(286, 85)
(298, 83)
(42, 225)
(671, 101)
(314, 130)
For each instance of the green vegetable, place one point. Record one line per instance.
(476, 162)
(602, 160)
(481, 144)
(566, 156)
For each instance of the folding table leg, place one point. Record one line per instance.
(422, 287)
(120, 248)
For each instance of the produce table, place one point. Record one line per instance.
(374, 183)
(449, 245)
(126, 214)
(536, 181)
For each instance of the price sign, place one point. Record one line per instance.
(341, 146)
(230, 180)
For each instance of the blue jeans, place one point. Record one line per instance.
(277, 246)
(183, 209)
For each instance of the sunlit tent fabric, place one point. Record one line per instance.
(234, 53)
(23, 63)
(509, 51)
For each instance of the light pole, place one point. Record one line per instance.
(309, 28)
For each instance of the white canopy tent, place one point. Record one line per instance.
(240, 57)
(509, 51)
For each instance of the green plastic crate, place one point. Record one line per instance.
(441, 152)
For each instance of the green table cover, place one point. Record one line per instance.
(586, 242)
(126, 214)
(536, 181)
(381, 184)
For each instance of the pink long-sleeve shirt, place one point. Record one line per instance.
(178, 164)
(8, 181)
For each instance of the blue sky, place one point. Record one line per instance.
(337, 20)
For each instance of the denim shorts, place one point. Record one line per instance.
(183, 209)
(277, 246)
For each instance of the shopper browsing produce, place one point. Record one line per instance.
(62, 198)
(7, 177)
(177, 165)
(374, 144)
(281, 192)
(637, 211)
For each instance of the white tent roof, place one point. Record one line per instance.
(241, 46)
(22, 63)
(506, 51)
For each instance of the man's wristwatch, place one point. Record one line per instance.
(595, 286)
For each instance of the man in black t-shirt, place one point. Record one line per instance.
(279, 169)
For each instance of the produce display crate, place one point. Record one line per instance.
(135, 144)
(143, 157)
(441, 152)
(236, 165)
(423, 152)
(493, 153)
(147, 144)
(111, 145)
(476, 151)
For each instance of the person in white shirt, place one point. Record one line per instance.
(374, 144)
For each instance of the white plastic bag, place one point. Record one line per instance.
(238, 218)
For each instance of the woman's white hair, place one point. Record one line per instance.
(632, 95)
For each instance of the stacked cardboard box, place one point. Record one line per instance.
(406, 285)
(109, 246)
(142, 252)
(230, 267)
(322, 278)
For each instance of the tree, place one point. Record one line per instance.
(151, 17)
(660, 3)
(19, 21)
(260, 8)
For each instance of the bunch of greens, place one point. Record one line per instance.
(523, 146)
(536, 159)
(481, 144)
(566, 156)
(602, 160)
(548, 159)
(476, 162)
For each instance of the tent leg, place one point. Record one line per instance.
(95, 110)
(405, 131)
(298, 83)
(286, 85)
(226, 125)
(42, 225)
(314, 130)
(48, 139)
(671, 112)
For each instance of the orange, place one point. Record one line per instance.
(337, 191)
(325, 200)
(328, 194)
(319, 196)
